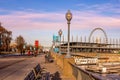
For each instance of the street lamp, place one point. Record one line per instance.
(0, 41)
(68, 18)
(60, 33)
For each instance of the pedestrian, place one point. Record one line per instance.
(46, 58)
(28, 52)
(21, 52)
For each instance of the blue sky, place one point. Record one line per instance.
(40, 19)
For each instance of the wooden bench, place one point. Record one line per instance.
(47, 76)
(30, 76)
(38, 73)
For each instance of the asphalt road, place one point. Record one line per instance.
(16, 68)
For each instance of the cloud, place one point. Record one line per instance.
(111, 7)
(21, 20)
(26, 21)
(89, 20)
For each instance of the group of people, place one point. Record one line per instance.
(32, 53)
(22, 52)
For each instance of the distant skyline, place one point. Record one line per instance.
(41, 19)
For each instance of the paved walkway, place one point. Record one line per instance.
(18, 70)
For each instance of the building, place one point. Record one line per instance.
(97, 45)
(76, 47)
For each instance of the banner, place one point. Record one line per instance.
(36, 43)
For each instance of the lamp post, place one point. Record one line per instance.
(60, 33)
(68, 18)
(0, 41)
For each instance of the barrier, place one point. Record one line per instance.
(72, 71)
(80, 74)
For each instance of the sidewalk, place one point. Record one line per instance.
(20, 70)
(52, 68)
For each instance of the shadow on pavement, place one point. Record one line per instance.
(56, 76)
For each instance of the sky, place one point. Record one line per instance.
(41, 19)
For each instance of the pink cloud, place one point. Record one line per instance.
(26, 21)
(54, 21)
(88, 20)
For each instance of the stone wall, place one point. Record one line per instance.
(64, 64)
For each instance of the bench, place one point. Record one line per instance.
(48, 58)
(30, 76)
(38, 73)
(47, 76)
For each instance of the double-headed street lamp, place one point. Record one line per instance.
(60, 33)
(68, 17)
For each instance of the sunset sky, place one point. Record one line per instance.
(41, 19)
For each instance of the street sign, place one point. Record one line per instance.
(56, 38)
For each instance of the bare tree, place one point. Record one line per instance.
(20, 43)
